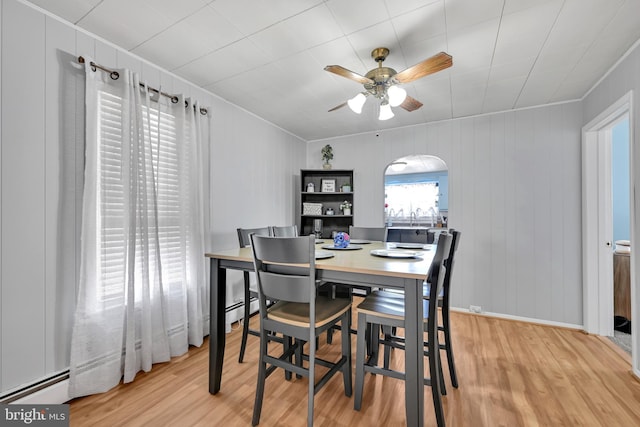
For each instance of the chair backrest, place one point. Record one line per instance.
(378, 234)
(437, 269)
(285, 268)
(449, 263)
(284, 231)
(243, 234)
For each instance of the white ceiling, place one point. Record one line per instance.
(268, 56)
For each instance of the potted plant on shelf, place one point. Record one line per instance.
(327, 155)
(345, 207)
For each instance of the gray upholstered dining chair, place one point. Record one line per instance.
(284, 231)
(250, 288)
(444, 298)
(377, 310)
(444, 302)
(285, 271)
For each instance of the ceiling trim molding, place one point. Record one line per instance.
(151, 64)
(612, 69)
(513, 110)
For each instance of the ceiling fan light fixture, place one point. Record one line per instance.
(385, 111)
(357, 102)
(398, 166)
(397, 95)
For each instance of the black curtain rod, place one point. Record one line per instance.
(115, 76)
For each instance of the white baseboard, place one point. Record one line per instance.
(522, 319)
(52, 395)
(58, 392)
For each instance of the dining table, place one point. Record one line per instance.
(371, 264)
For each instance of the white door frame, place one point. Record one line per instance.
(597, 229)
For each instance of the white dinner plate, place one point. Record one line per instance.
(324, 254)
(360, 242)
(410, 245)
(394, 253)
(348, 248)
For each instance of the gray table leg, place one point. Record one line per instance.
(414, 360)
(217, 295)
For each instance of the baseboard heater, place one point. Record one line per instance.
(34, 387)
(238, 304)
(27, 390)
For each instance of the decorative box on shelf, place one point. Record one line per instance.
(311, 208)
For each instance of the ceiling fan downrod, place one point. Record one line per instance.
(381, 76)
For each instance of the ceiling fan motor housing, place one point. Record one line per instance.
(381, 77)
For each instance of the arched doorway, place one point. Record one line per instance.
(416, 195)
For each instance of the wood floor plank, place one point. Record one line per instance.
(510, 373)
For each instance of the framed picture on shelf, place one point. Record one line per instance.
(328, 185)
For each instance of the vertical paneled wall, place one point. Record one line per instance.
(23, 204)
(250, 169)
(514, 192)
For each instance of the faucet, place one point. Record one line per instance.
(433, 216)
(390, 213)
(412, 216)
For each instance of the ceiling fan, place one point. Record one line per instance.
(383, 82)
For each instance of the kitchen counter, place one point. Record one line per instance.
(415, 227)
(415, 234)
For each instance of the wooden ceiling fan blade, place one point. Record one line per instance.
(437, 62)
(411, 104)
(338, 106)
(341, 71)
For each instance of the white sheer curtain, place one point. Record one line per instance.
(143, 294)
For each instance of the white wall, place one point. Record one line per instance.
(252, 162)
(514, 193)
(514, 188)
(624, 78)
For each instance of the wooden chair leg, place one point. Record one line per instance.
(245, 319)
(345, 324)
(286, 345)
(360, 355)
(448, 347)
(262, 374)
(386, 332)
(374, 333)
(443, 388)
(434, 373)
(298, 354)
(311, 390)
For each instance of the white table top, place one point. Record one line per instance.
(356, 261)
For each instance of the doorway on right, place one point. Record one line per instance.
(599, 246)
(620, 190)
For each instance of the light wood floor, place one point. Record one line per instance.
(511, 374)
